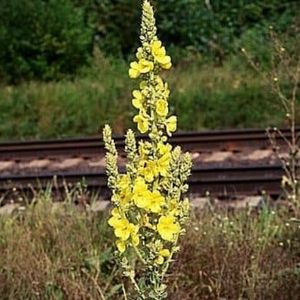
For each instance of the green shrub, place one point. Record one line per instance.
(42, 39)
(211, 27)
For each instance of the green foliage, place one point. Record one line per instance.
(56, 37)
(42, 39)
(211, 27)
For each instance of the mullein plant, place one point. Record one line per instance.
(149, 208)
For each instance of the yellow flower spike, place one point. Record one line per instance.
(149, 210)
(138, 100)
(171, 124)
(162, 107)
(142, 123)
(167, 228)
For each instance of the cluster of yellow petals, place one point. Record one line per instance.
(145, 194)
(168, 228)
(152, 103)
(160, 56)
(123, 230)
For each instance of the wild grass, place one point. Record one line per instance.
(63, 252)
(212, 96)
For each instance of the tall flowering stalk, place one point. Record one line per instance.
(149, 209)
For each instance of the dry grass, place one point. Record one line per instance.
(67, 254)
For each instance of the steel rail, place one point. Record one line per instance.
(232, 140)
(245, 180)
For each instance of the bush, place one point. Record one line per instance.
(211, 27)
(42, 39)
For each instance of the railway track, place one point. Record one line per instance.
(227, 177)
(233, 140)
(229, 181)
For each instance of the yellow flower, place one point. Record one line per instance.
(164, 161)
(163, 164)
(159, 54)
(162, 107)
(163, 253)
(167, 65)
(140, 186)
(116, 217)
(159, 83)
(133, 229)
(135, 240)
(122, 229)
(164, 148)
(162, 87)
(168, 228)
(134, 71)
(155, 202)
(121, 246)
(140, 193)
(124, 196)
(142, 123)
(145, 66)
(124, 182)
(138, 100)
(141, 67)
(159, 260)
(171, 124)
(150, 171)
